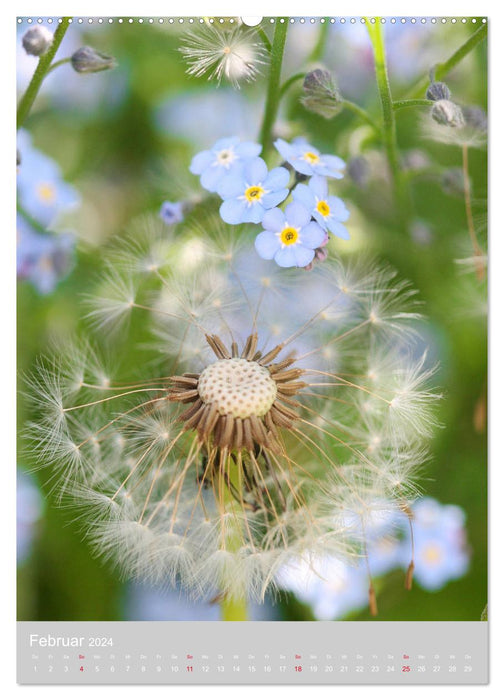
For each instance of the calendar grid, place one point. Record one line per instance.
(252, 652)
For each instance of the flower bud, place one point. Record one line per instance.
(438, 91)
(358, 170)
(37, 40)
(475, 117)
(447, 113)
(321, 93)
(452, 181)
(88, 60)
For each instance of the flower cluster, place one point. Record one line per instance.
(269, 417)
(334, 589)
(43, 196)
(251, 193)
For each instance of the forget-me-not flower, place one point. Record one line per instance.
(42, 192)
(327, 210)
(224, 158)
(43, 259)
(248, 193)
(307, 160)
(441, 553)
(332, 588)
(290, 237)
(172, 212)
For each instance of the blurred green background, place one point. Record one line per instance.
(123, 139)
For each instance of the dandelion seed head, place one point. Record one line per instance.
(275, 415)
(231, 54)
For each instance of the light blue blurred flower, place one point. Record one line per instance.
(251, 191)
(172, 212)
(43, 259)
(225, 158)
(290, 237)
(329, 586)
(29, 510)
(151, 603)
(441, 552)
(307, 160)
(203, 116)
(327, 210)
(42, 192)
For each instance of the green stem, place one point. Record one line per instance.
(232, 608)
(443, 69)
(29, 218)
(273, 92)
(401, 104)
(264, 38)
(389, 125)
(359, 112)
(319, 48)
(56, 64)
(40, 73)
(290, 81)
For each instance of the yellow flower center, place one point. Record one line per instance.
(323, 208)
(46, 193)
(254, 193)
(431, 554)
(289, 236)
(312, 158)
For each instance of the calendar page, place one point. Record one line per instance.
(252, 311)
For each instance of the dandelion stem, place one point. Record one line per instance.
(273, 92)
(41, 71)
(232, 608)
(264, 38)
(443, 69)
(389, 126)
(478, 253)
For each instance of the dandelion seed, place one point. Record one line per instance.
(234, 55)
(246, 449)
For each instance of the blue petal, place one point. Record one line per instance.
(333, 163)
(253, 213)
(297, 215)
(284, 148)
(267, 244)
(303, 255)
(212, 176)
(337, 228)
(232, 211)
(277, 178)
(255, 171)
(231, 186)
(312, 235)
(285, 257)
(304, 196)
(318, 185)
(302, 166)
(247, 149)
(200, 162)
(274, 198)
(223, 144)
(274, 220)
(322, 221)
(338, 208)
